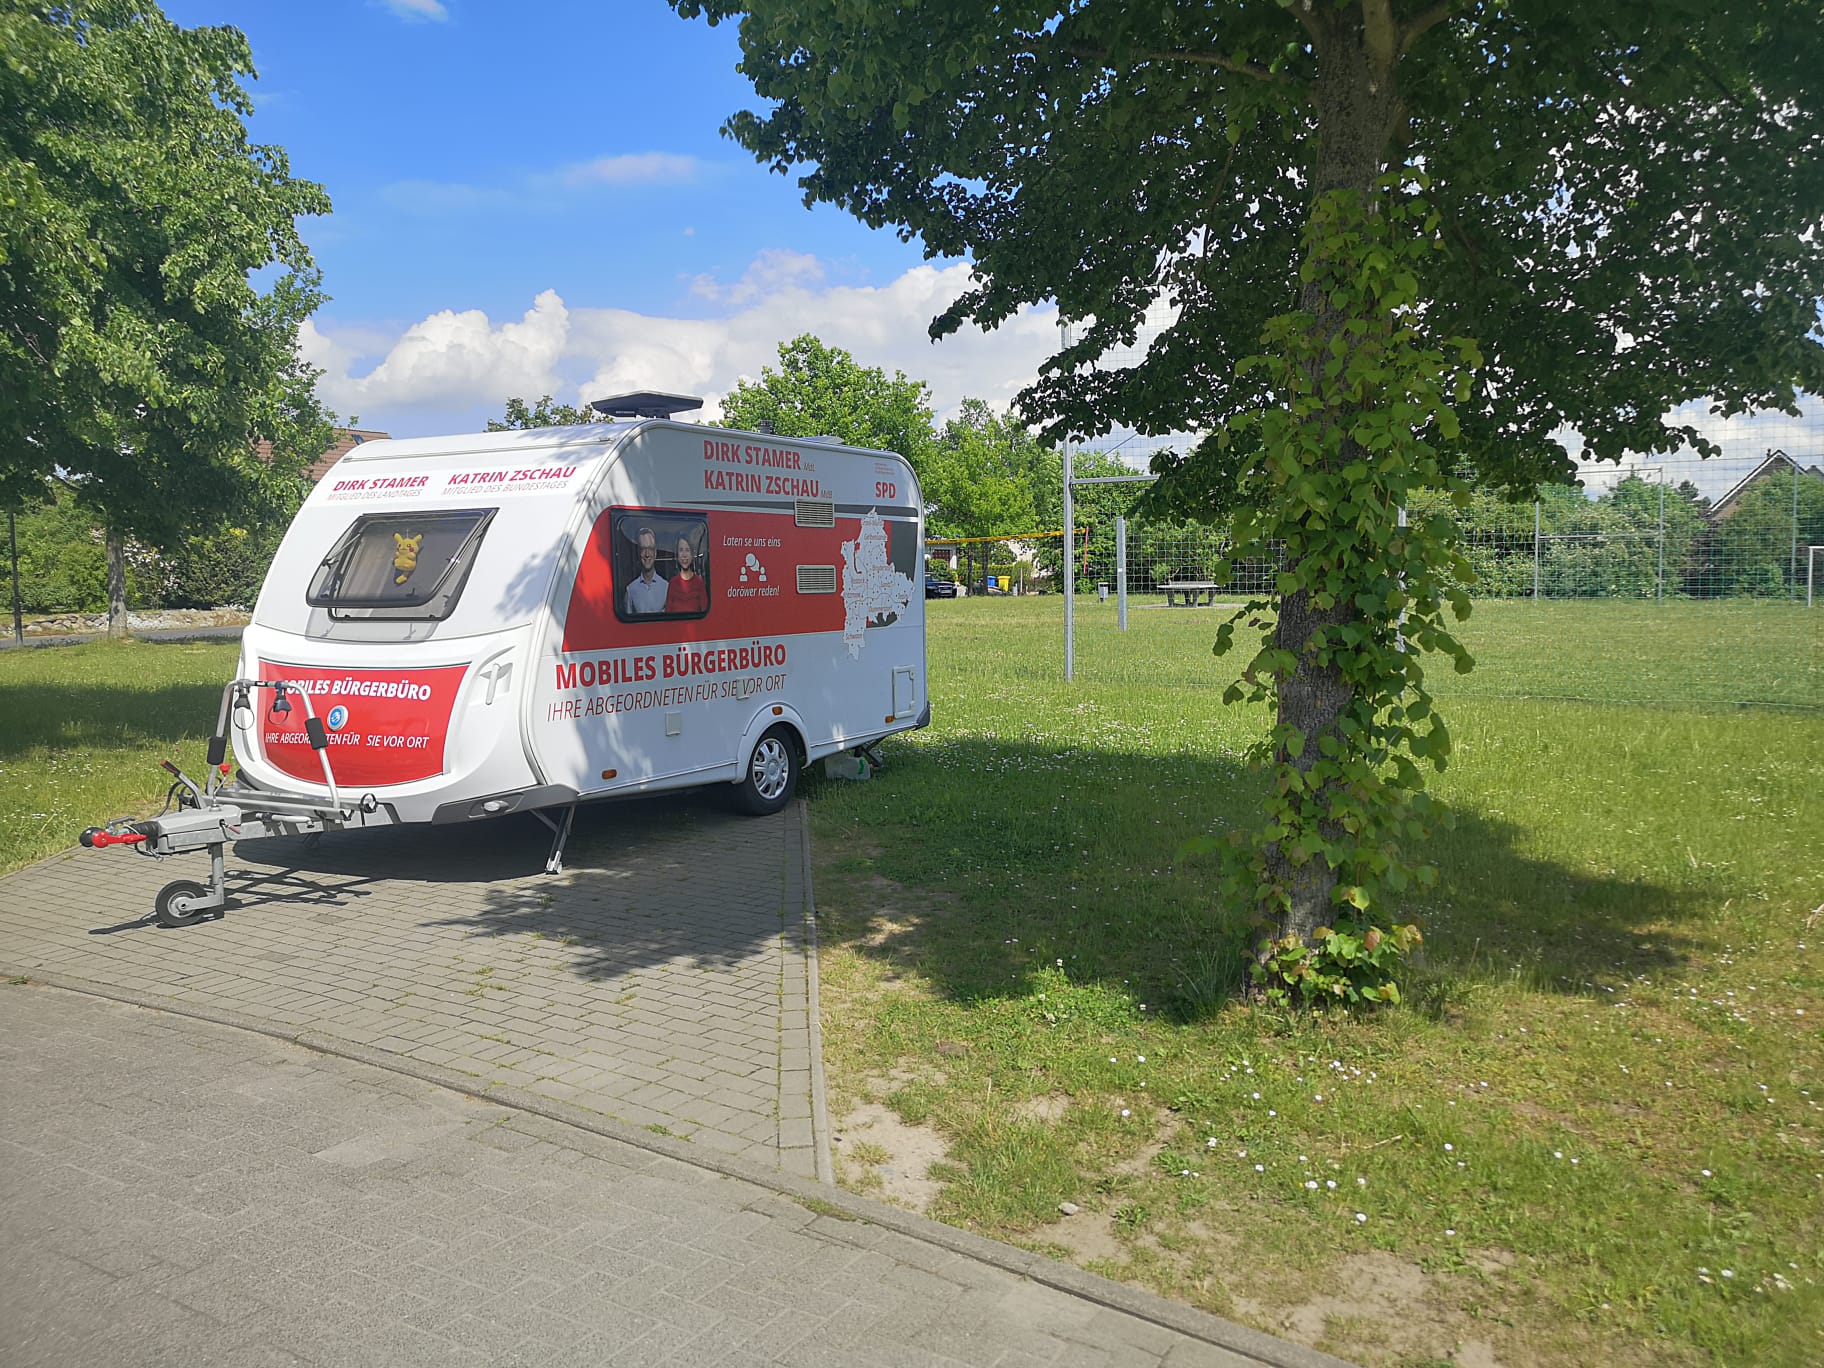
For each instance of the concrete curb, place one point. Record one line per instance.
(1193, 1324)
(820, 1098)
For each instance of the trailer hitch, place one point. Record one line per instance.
(208, 815)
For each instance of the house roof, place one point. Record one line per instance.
(1777, 461)
(347, 439)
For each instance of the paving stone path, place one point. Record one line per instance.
(662, 979)
(183, 1181)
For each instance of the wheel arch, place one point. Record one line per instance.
(764, 720)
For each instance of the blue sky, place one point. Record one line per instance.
(539, 198)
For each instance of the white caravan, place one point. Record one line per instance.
(457, 628)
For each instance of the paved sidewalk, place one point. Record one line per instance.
(174, 1191)
(662, 979)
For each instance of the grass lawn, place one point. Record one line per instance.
(1593, 1134)
(82, 729)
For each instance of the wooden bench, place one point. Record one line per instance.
(1192, 592)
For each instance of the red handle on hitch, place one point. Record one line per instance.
(96, 838)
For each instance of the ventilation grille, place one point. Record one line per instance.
(816, 579)
(815, 513)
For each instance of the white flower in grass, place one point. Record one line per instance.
(1126, 1112)
(1142, 1059)
(1210, 1143)
(1330, 1183)
(1448, 1147)
(1557, 1154)
(1361, 1182)
(1449, 1231)
(1728, 1272)
(1361, 1217)
(1260, 1168)
(1311, 1185)
(1705, 1172)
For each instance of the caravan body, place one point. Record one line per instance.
(520, 620)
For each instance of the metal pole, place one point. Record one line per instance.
(1535, 550)
(1661, 595)
(1070, 548)
(12, 538)
(1399, 633)
(1795, 529)
(1121, 572)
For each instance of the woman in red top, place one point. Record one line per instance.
(688, 593)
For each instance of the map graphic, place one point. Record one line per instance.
(871, 588)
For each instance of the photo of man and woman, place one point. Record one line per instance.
(662, 561)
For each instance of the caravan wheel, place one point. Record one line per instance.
(772, 773)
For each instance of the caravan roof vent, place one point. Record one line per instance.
(645, 404)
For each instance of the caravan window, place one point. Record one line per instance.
(661, 564)
(400, 565)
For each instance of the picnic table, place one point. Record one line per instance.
(1191, 591)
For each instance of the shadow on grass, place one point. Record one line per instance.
(978, 865)
(121, 717)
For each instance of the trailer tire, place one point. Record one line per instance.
(771, 775)
(176, 905)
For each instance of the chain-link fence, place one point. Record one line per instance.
(1674, 580)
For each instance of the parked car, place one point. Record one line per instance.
(939, 588)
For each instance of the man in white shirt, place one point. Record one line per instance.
(647, 593)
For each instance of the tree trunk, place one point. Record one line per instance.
(1357, 111)
(117, 584)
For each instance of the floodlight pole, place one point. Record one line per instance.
(1121, 572)
(1070, 539)
(12, 539)
(1795, 529)
(1811, 571)
(1662, 537)
(1535, 550)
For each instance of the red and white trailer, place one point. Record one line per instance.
(458, 628)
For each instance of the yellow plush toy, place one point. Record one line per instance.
(405, 556)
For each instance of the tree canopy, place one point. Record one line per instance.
(547, 412)
(822, 391)
(139, 359)
(1403, 243)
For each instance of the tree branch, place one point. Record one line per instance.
(1303, 11)
(1213, 59)
(1380, 36)
(1430, 19)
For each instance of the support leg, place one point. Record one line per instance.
(560, 826)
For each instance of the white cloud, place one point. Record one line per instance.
(448, 361)
(541, 191)
(452, 370)
(774, 270)
(447, 197)
(1745, 439)
(630, 169)
(418, 9)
